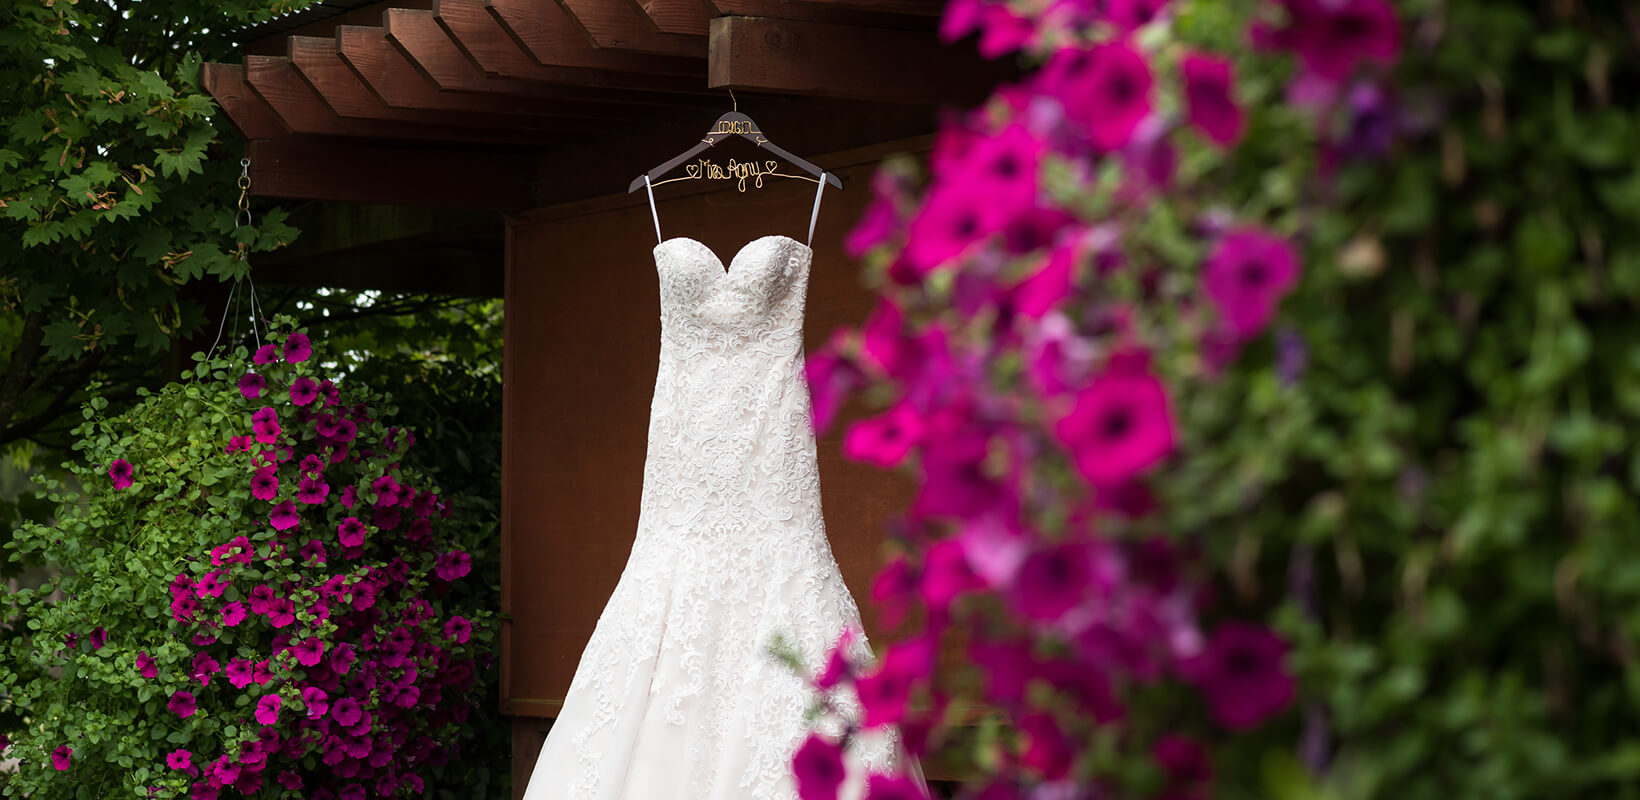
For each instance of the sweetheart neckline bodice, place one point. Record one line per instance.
(729, 268)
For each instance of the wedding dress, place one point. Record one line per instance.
(675, 696)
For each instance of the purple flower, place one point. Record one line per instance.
(342, 658)
(893, 787)
(1291, 355)
(1189, 773)
(297, 348)
(1333, 37)
(312, 491)
(267, 709)
(309, 651)
(1002, 31)
(1105, 89)
(239, 673)
(1053, 580)
(1208, 86)
(951, 220)
(204, 666)
(1242, 675)
(314, 551)
(452, 565)
(59, 757)
(232, 614)
(98, 638)
(120, 471)
(265, 483)
(884, 440)
(290, 780)
(238, 443)
(284, 516)
(210, 586)
(1004, 169)
(386, 489)
(818, 768)
(266, 354)
(182, 704)
(261, 674)
(146, 666)
(303, 391)
(1247, 274)
(346, 712)
(281, 612)
(261, 599)
(1119, 426)
(251, 385)
(459, 629)
(312, 464)
(351, 531)
(317, 702)
(883, 693)
(180, 759)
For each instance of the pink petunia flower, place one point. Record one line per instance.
(266, 354)
(180, 760)
(238, 443)
(211, 585)
(281, 612)
(267, 709)
(883, 692)
(459, 629)
(1246, 275)
(121, 471)
(1105, 90)
(452, 565)
(309, 651)
(284, 516)
(818, 768)
(346, 711)
(1209, 83)
(1242, 673)
(297, 348)
(316, 700)
(303, 391)
(60, 757)
(893, 787)
(351, 531)
(312, 491)
(97, 638)
(146, 667)
(182, 704)
(1119, 426)
(239, 673)
(251, 385)
(232, 614)
(884, 440)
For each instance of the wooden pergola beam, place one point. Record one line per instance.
(818, 12)
(552, 38)
(686, 17)
(623, 25)
(353, 171)
(848, 62)
(302, 110)
(339, 87)
(252, 115)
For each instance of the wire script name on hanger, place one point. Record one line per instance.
(741, 171)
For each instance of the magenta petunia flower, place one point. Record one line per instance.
(261, 599)
(345, 711)
(121, 471)
(880, 221)
(1004, 169)
(459, 629)
(266, 354)
(386, 489)
(297, 348)
(317, 702)
(946, 574)
(1209, 83)
(211, 585)
(182, 704)
(267, 709)
(1119, 427)
(238, 443)
(880, 786)
(303, 391)
(267, 432)
(1052, 580)
(312, 491)
(1242, 674)
(284, 516)
(351, 531)
(346, 430)
(1189, 772)
(290, 780)
(314, 551)
(97, 638)
(262, 672)
(452, 565)
(951, 220)
(204, 666)
(251, 385)
(60, 757)
(309, 651)
(184, 608)
(342, 658)
(1247, 274)
(1106, 90)
(1334, 37)
(839, 667)
(884, 440)
(180, 759)
(818, 768)
(1001, 29)
(146, 667)
(312, 464)
(281, 612)
(883, 692)
(232, 614)
(239, 673)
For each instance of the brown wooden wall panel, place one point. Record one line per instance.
(583, 343)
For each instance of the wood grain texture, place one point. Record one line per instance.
(623, 25)
(553, 38)
(687, 17)
(842, 61)
(248, 112)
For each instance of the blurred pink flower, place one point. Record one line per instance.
(818, 768)
(1209, 87)
(1105, 89)
(1246, 275)
(1242, 674)
(1119, 427)
(883, 693)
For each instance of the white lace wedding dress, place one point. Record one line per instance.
(675, 696)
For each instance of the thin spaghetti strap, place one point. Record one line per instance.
(812, 217)
(657, 214)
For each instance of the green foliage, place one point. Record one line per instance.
(1455, 467)
(120, 550)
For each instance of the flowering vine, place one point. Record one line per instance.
(256, 606)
